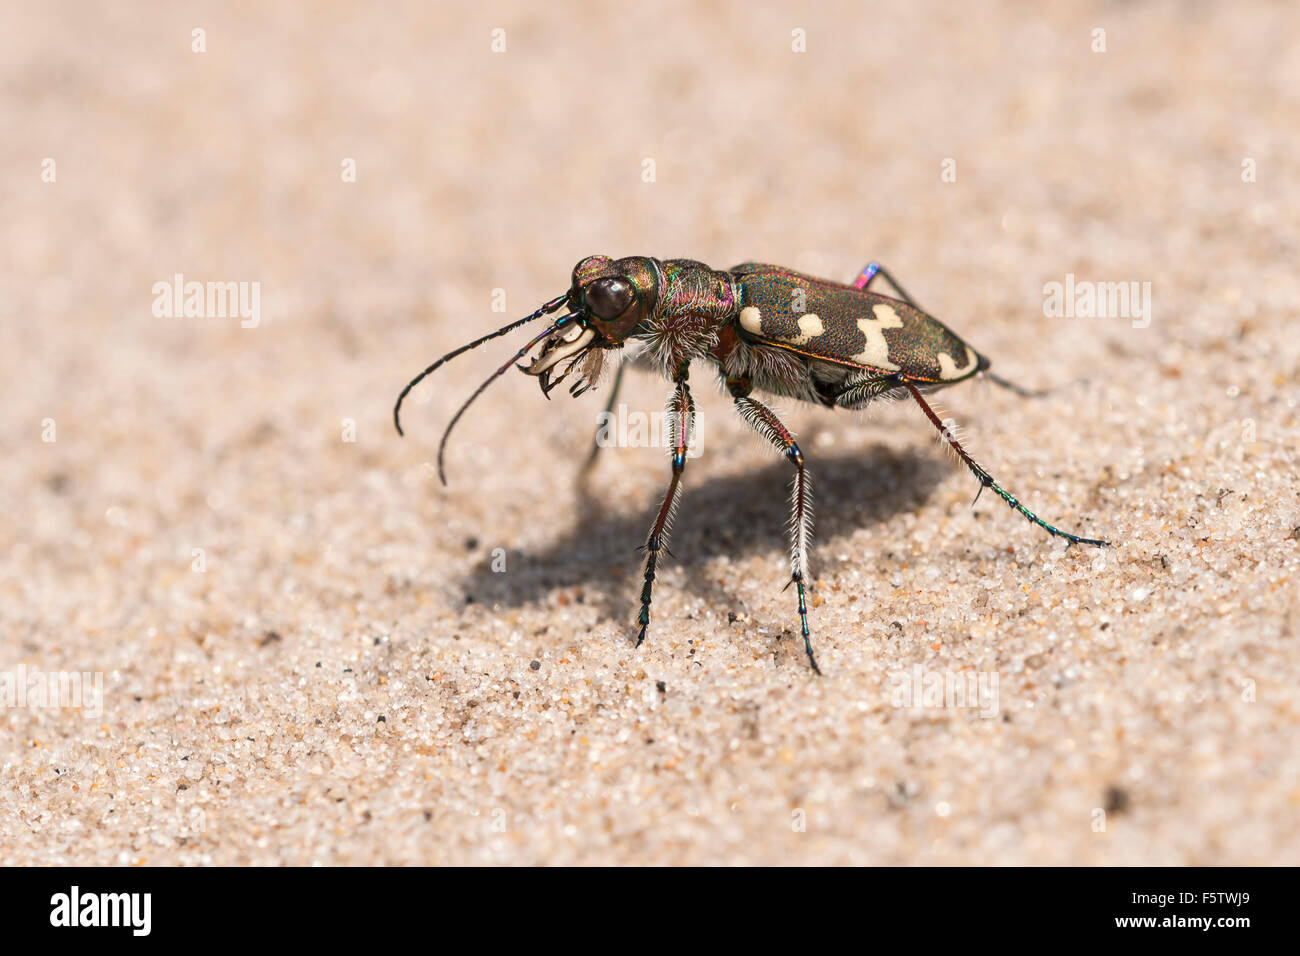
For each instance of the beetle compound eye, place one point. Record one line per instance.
(609, 298)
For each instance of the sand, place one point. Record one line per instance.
(309, 651)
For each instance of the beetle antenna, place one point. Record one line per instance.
(442, 445)
(547, 308)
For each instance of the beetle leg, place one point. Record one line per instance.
(858, 393)
(680, 414)
(1011, 386)
(764, 421)
(609, 408)
(986, 480)
(871, 270)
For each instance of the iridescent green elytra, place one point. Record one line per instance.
(763, 328)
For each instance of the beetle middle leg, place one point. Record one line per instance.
(764, 421)
(681, 419)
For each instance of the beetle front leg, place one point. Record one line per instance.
(764, 421)
(609, 408)
(680, 415)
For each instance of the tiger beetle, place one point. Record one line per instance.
(764, 328)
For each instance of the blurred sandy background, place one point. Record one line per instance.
(347, 680)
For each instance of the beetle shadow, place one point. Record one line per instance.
(735, 515)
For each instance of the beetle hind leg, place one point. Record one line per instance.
(860, 392)
(873, 269)
(1011, 386)
(986, 480)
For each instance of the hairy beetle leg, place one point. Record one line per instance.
(986, 480)
(764, 421)
(681, 412)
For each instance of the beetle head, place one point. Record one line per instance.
(609, 300)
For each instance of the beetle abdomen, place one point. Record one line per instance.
(850, 326)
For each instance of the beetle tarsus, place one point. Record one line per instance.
(986, 480)
(1020, 390)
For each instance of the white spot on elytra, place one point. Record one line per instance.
(948, 368)
(876, 352)
(810, 326)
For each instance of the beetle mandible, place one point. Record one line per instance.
(764, 328)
